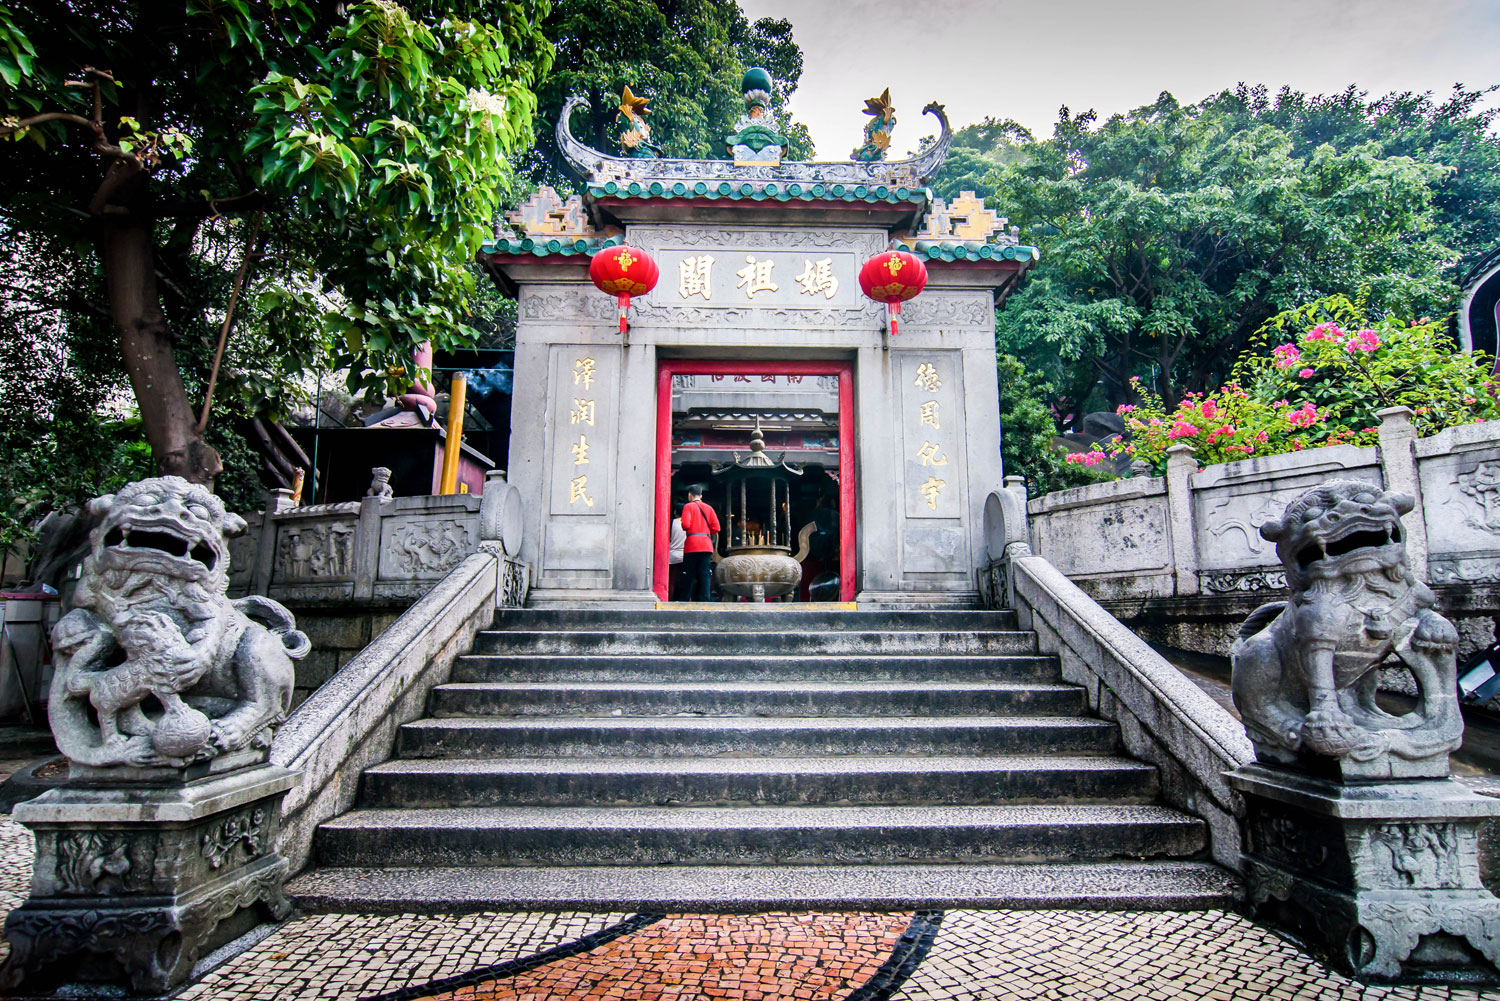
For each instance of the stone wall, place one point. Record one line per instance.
(1180, 559)
(337, 635)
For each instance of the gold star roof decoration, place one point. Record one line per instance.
(881, 106)
(633, 107)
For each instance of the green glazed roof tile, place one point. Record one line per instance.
(545, 247)
(767, 191)
(971, 250)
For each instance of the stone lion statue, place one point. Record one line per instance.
(155, 665)
(1306, 669)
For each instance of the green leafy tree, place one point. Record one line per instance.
(1170, 235)
(687, 56)
(1457, 132)
(1027, 427)
(978, 151)
(353, 157)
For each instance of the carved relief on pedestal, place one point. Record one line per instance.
(426, 548)
(1287, 842)
(315, 551)
(245, 829)
(1416, 855)
(95, 862)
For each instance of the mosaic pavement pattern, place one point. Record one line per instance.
(956, 955)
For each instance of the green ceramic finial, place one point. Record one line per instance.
(756, 79)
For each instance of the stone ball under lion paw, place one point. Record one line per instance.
(181, 733)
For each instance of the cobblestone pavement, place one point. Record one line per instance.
(956, 955)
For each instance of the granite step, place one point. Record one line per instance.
(773, 835)
(863, 780)
(754, 667)
(638, 642)
(766, 698)
(772, 618)
(677, 736)
(1158, 885)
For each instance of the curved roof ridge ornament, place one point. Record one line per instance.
(926, 164)
(587, 162)
(582, 158)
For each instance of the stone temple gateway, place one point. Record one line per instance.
(759, 286)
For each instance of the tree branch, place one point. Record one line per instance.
(234, 294)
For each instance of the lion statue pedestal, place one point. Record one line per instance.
(162, 845)
(1354, 835)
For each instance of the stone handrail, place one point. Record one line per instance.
(351, 722)
(1164, 718)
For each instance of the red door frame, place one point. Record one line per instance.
(670, 367)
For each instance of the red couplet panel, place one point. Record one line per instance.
(666, 369)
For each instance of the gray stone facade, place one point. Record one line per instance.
(599, 542)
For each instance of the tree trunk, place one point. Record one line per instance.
(128, 253)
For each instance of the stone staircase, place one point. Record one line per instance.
(759, 758)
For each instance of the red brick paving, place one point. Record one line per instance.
(745, 957)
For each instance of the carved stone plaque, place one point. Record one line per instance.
(585, 388)
(932, 433)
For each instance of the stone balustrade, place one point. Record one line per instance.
(376, 550)
(1181, 560)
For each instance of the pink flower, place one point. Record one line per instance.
(1306, 373)
(1156, 422)
(1261, 436)
(1325, 332)
(1210, 409)
(1307, 416)
(1084, 458)
(1286, 355)
(1469, 400)
(1182, 429)
(1365, 340)
(1124, 408)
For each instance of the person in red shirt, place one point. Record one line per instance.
(702, 528)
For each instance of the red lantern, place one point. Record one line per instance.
(892, 278)
(624, 272)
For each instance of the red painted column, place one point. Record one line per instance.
(846, 483)
(660, 567)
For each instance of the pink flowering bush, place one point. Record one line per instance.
(1353, 367)
(1327, 373)
(1223, 426)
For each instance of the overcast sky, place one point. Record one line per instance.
(1022, 60)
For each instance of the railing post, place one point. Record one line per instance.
(1181, 464)
(277, 501)
(367, 547)
(1398, 464)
